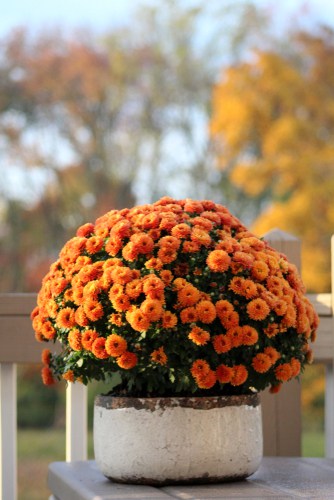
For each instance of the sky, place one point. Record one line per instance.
(101, 14)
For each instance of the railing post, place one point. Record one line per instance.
(280, 438)
(329, 394)
(8, 432)
(76, 422)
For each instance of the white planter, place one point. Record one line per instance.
(163, 441)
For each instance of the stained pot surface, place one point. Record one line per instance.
(199, 403)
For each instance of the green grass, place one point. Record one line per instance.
(37, 448)
(313, 444)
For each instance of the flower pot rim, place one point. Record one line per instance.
(196, 402)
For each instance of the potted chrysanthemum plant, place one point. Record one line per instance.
(187, 316)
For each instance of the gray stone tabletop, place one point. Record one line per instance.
(277, 478)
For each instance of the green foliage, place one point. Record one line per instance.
(36, 404)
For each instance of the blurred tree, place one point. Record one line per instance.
(273, 117)
(89, 124)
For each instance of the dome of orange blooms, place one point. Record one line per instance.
(177, 298)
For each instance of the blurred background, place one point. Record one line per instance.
(109, 104)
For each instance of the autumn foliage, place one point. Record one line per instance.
(273, 121)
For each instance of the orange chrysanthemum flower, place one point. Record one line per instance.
(274, 389)
(236, 336)
(295, 367)
(181, 231)
(223, 307)
(169, 319)
(94, 244)
(239, 375)
(134, 288)
(207, 381)
(190, 247)
(188, 295)
(98, 348)
(93, 310)
(290, 317)
(200, 236)
(152, 309)
(206, 311)
(167, 255)
(129, 252)
(203, 223)
(87, 339)
(150, 221)
(272, 353)
(224, 374)
(283, 372)
(80, 317)
(127, 360)
(115, 345)
(199, 368)
(218, 261)
(280, 307)
(85, 230)
(261, 363)
(166, 276)
(236, 285)
(221, 343)
(69, 376)
(116, 319)
(207, 214)
(65, 318)
(199, 336)
(272, 330)
(249, 335)
(121, 303)
(248, 289)
(303, 326)
(260, 270)
(88, 273)
(137, 320)
(143, 244)
(47, 376)
(81, 261)
(47, 330)
(167, 222)
(74, 339)
(170, 242)
(154, 263)
(77, 296)
(59, 285)
(188, 315)
(121, 229)
(179, 283)
(257, 309)
(246, 260)
(153, 287)
(109, 264)
(51, 308)
(121, 275)
(159, 356)
(46, 356)
(193, 206)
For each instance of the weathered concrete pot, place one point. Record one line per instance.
(162, 441)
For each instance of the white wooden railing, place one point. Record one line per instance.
(17, 345)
